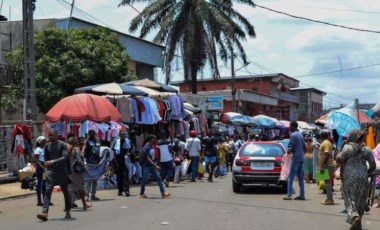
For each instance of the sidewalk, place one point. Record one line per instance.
(10, 188)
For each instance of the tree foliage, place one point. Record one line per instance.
(203, 30)
(69, 59)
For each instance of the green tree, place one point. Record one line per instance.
(199, 28)
(69, 59)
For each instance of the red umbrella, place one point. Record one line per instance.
(80, 107)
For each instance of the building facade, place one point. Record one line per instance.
(269, 94)
(311, 103)
(144, 56)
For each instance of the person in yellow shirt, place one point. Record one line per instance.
(222, 151)
(326, 162)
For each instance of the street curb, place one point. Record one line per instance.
(17, 196)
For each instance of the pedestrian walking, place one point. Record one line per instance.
(326, 162)
(76, 188)
(121, 149)
(209, 152)
(57, 172)
(91, 150)
(39, 161)
(308, 159)
(297, 148)
(193, 146)
(354, 158)
(166, 159)
(150, 167)
(230, 152)
(177, 152)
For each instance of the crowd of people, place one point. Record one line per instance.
(318, 153)
(64, 163)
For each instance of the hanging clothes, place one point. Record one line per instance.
(124, 105)
(370, 138)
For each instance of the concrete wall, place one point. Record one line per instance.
(11, 35)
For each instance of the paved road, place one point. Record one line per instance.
(193, 206)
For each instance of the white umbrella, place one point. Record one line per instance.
(152, 92)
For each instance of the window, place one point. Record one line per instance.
(262, 150)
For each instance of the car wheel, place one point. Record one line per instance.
(236, 187)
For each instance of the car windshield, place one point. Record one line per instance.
(284, 142)
(262, 150)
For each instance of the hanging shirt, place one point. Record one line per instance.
(124, 106)
(19, 144)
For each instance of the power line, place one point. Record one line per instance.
(85, 14)
(338, 71)
(346, 98)
(317, 21)
(335, 9)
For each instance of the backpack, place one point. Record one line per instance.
(25, 183)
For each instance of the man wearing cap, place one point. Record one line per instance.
(193, 146)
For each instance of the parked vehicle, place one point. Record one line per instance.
(258, 162)
(284, 142)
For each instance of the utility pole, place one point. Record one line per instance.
(30, 102)
(233, 83)
(71, 13)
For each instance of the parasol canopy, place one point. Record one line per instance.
(153, 85)
(304, 125)
(238, 119)
(345, 119)
(285, 123)
(111, 88)
(80, 107)
(192, 108)
(267, 121)
(152, 92)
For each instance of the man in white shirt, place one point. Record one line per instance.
(166, 159)
(193, 146)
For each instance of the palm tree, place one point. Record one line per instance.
(198, 28)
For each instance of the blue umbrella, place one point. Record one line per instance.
(265, 121)
(111, 88)
(238, 119)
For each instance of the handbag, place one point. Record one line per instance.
(322, 176)
(177, 160)
(78, 167)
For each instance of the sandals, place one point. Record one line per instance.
(42, 217)
(87, 206)
(356, 224)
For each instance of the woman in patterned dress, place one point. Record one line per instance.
(76, 187)
(354, 157)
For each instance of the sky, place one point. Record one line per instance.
(295, 47)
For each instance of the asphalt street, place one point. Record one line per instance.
(199, 205)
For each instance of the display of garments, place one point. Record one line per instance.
(124, 105)
(19, 144)
(370, 138)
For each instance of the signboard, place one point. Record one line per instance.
(212, 103)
